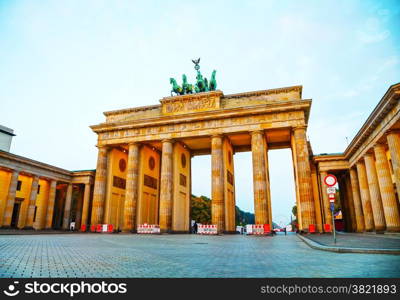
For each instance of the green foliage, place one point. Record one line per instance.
(201, 209)
(201, 212)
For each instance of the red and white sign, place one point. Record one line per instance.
(331, 190)
(148, 229)
(330, 180)
(207, 229)
(258, 229)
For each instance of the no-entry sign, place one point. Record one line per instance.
(330, 180)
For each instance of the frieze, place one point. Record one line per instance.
(190, 103)
(201, 125)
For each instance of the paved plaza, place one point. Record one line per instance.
(128, 255)
(359, 240)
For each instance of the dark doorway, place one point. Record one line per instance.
(15, 213)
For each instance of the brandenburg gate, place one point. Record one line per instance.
(143, 172)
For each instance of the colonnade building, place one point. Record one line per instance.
(143, 172)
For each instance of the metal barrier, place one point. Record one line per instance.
(207, 229)
(148, 229)
(258, 229)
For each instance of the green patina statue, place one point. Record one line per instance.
(201, 85)
(175, 87)
(187, 88)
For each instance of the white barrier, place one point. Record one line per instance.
(207, 229)
(148, 229)
(257, 229)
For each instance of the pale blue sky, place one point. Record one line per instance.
(62, 63)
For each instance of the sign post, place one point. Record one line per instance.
(333, 221)
(330, 180)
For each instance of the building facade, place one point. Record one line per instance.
(143, 173)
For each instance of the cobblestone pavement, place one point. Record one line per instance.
(127, 255)
(360, 240)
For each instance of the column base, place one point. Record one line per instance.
(8, 227)
(393, 229)
(28, 228)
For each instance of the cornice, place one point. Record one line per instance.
(222, 113)
(389, 100)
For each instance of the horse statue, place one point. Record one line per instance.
(186, 87)
(213, 81)
(200, 84)
(175, 87)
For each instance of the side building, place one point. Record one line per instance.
(35, 195)
(368, 171)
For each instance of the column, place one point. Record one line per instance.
(325, 200)
(166, 186)
(375, 194)
(217, 184)
(393, 139)
(10, 199)
(50, 204)
(307, 209)
(388, 196)
(357, 201)
(32, 202)
(343, 203)
(78, 212)
(350, 203)
(365, 196)
(100, 183)
(258, 148)
(132, 184)
(85, 208)
(67, 207)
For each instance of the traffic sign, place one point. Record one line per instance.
(331, 196)
(331, 190)
(332, 200)
(330, 180)
(332, 207)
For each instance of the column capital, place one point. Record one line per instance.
(217, 135)
(133, 144)
(257, 131)
(104, 148)
(167, 141)
(379, 144)
(393, 131)
(299, 127)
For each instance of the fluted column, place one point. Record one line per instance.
(67, 207)
(99, 193)
(360, 227)
(258, 149)
(32, 202)
(217, 184)
(350, 202)
(365, 196)
(10, 198)
(78, 212)
(166, 186)
(132, 184)
(389, 201)
(393, 139)
(307, 209)
(376, 201)
(325, 200)
(50, 204)
(85, 208)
